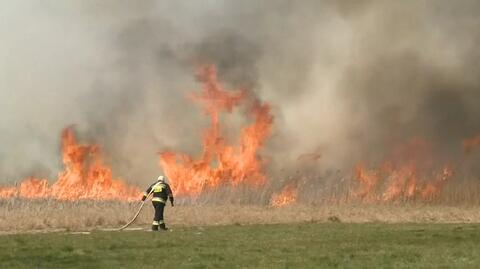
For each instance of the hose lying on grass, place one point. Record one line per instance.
(138, 213)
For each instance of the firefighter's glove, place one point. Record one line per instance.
(171, 200)
(144, 197)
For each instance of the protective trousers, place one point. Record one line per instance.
(158, 218)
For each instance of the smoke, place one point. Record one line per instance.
(346, 79)
(410, 75)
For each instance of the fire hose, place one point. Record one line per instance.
(138, 213)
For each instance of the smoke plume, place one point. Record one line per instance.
(347, 80)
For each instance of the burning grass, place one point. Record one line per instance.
(85, 177)
(227, 182)
(233, 172)
(234, 163)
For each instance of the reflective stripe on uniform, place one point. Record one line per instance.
(158, 199)
(158, 187)
(155, 222)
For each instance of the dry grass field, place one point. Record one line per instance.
(19, 215)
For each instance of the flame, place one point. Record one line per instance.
(471, 143)
(402, 182)
(220, 162)
(85, 177)
(368, 180)
(287, 196)
(7, 192)
(404, 176)
(433, 188)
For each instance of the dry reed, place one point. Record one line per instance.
(18, 215)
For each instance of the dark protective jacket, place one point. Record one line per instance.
(161, 192)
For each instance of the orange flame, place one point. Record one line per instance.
(287, 196)
(6, 192)
(368, 181)
(403, 176)
(220, 162)
(433, 188)
(85, 177)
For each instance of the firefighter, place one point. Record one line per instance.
(161, 191)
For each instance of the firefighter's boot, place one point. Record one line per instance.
(162, 227)
(155, 226)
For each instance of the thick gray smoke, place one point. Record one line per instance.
(346, 79)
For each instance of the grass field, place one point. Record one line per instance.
(307, 245)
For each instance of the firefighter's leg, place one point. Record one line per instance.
(157, 216)
(161, 222)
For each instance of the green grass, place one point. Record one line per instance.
(309, 245)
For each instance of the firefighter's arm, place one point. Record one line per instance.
(145, 194)
(170, 195)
